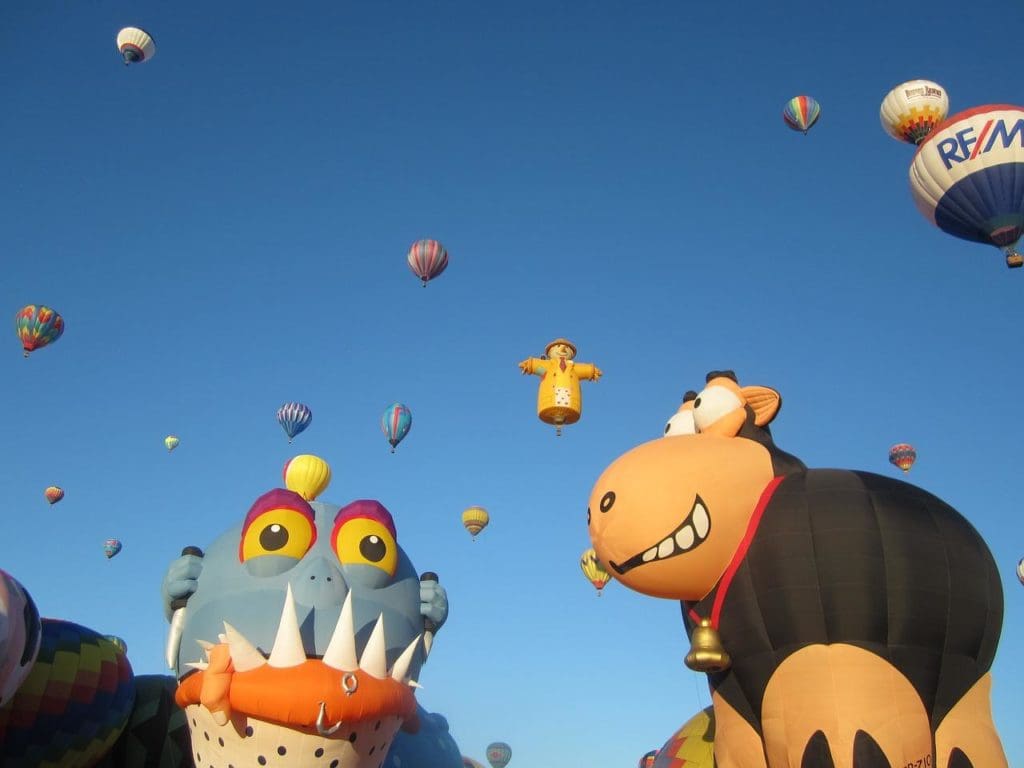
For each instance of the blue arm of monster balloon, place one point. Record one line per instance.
(180, 581)
(433, 602)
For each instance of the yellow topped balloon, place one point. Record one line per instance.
(593, 570)
(475, 519)
(307, 475)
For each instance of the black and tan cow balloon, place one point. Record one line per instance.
(844, 619)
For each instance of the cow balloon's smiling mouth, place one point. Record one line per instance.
(690, 534)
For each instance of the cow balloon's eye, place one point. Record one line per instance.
(681, 423)
(712, 404)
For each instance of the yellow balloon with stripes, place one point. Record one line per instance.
(474, 520)
(593, 570)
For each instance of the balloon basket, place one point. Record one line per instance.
(26, 354)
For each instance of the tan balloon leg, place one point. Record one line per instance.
(969, 727)
(737, 744)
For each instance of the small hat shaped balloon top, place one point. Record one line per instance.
(307, 475)
(37, 326)
(135, 45)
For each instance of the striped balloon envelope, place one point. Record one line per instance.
(37, 326)
(427, 259)
(74, 703)
(294, 418)
(396, 423)
(801, 112)
(967, 177)
(692, 746)
(903, 455)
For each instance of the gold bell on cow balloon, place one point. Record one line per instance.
(707, 654)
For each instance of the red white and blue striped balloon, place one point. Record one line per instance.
(427, 259)
(294, 418)
(395, 423)
(967, 177)
(801, 112)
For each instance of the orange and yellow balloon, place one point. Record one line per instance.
(593, 570)
(54, 494)
(475, 519)
(307, 475)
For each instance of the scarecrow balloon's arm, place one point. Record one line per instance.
(180, 581)
(588, 371)
(533, 365)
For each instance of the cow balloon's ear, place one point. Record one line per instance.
(765, 401)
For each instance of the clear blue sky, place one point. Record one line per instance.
(224, 229)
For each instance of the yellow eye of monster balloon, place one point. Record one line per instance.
(364, 534)
(279, 523)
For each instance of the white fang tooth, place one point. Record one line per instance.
(341, 651)
(375, 660)
(222, 638)
(244, 655)
(287, 650)
(650, 554)
(685, 538)
(401, 668)
(414, 684)
(206, 645)
(197, 664)
(666, 547)
(701, 521)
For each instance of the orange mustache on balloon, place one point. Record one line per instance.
(288, 688)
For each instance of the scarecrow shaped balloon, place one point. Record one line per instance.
(559, 399)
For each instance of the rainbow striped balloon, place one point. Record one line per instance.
(427, 259)
(37, 326)
(74, 703)
(801, 112)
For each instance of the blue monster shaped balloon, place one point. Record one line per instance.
(395, 423)
(294, 418)
(432, 746)
(297, 636)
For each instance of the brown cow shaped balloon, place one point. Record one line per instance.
(845, 619)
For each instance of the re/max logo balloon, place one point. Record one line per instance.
(964, 145)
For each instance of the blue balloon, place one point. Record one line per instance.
(395, 423)
(294, 418)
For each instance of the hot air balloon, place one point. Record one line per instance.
(19, 635)
(395, 423)
(294, 418)
(499, 754)
(593, 570)
(307, 475)
(647, 761)
(559, 398)
(427, 259)
(111, 547)
(1020, 571)
(911, 110)
(171, 442)
(474, 520)
(54, 494)
(693, 745)
(37, 326)
(74, 703)
(903, 456)
(967, 177)
(801, 112)
(135, 45)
